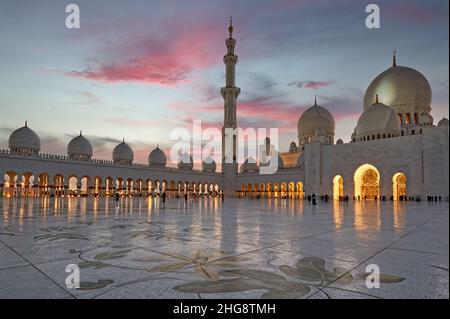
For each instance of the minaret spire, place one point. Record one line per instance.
(230, 93)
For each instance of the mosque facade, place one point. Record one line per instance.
(396, 152)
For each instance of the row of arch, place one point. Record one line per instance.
(272, 190)
(367, 184)
(44, 185)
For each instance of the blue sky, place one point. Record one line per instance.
(138, 69)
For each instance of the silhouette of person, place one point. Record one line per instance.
(314, 202)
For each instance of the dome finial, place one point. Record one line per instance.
(123, 139)
(394, 59)
(377, 101)
(81, 133)
(230, 27)
(315, 100)
(157, 145)
(26, 123)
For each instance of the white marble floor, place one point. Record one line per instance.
(205, 248)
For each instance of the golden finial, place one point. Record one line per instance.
(377, 101)
(394, 59)
(230, 28)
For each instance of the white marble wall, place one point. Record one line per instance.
(426, 175)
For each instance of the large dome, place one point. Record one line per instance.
(404, 89)
(378, 119)
(186, 162)
(123, 154)
(157, 158)
(79, 148)
(24, 140)
(316, 117)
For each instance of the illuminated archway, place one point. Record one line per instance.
(338, 187)
(300, 192)
(291, 189)
(276, 189)
(399, 186)
(367, 182)
(269, 190)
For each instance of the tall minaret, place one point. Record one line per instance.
(229, 135)
(230, 93)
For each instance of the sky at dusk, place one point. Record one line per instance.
(138, 69)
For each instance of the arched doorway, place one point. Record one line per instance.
(338, 187)
(291, 187)
(367, 182)
(300, 193)
(269, 190)
(399, 186)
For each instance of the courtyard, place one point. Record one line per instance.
(238, 248)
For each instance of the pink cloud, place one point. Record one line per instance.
(314, 85)
(141, 70)
(168, 59)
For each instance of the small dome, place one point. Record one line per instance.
(157, 158)
(443, 122)
(123, 154)
(404, 89)
(340, 141)
(316, 117)
(209, 165)
(186, 162)
(426, 119)
(79, 148)
(378, 119)
(250, 166)
(280, 163)
(24, 141)
(293, 147)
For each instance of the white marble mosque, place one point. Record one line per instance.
(388, 206)
(396, 152)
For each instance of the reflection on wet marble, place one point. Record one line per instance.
(205, 248)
